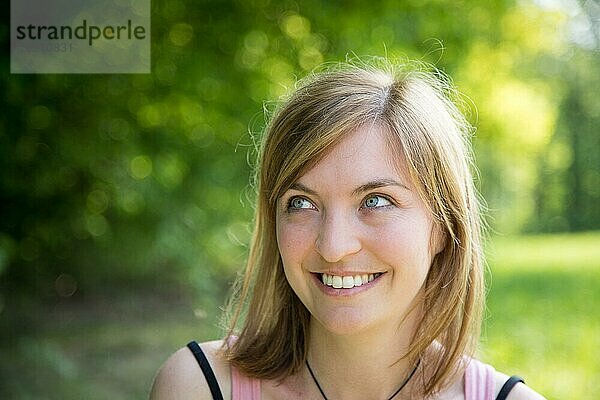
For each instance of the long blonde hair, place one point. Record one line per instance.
(427, 130)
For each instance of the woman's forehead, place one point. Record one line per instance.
(362, 156)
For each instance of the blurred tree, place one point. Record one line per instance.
(568, 193)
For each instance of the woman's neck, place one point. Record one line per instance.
(363, 365)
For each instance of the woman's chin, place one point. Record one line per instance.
(345, 323)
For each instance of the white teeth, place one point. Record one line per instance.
(337, 281)
(347, 282)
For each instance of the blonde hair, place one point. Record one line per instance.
(426, 129)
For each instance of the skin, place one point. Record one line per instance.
(354, 212)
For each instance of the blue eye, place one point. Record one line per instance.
(376, 201)
(298, 203)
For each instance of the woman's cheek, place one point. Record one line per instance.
(295, 236)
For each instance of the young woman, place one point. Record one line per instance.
(364, 278)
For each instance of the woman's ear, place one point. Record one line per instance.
(438, 239)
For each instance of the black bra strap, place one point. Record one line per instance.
(206, 370)
(507, 387)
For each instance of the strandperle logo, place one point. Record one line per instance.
(85, 31)
(80, 36)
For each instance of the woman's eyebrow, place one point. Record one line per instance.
(374, 184)
(378, 183)
(301, 188)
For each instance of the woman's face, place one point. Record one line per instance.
(356, 223)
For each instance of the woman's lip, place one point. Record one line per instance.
(331, 291)
(348, 273)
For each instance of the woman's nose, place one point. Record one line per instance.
(338, 238)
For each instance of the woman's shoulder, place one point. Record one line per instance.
(519, 392)
(180, 377)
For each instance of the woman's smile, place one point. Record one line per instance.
(344, 285)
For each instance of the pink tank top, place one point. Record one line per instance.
(479, 383)
(243, 387)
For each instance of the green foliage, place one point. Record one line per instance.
(117, 178)
(568, 193)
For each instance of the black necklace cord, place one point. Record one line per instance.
(315, 379)
(389, 398)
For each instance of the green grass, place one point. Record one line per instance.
(106, 347)
(543, 319)
(542, 322)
